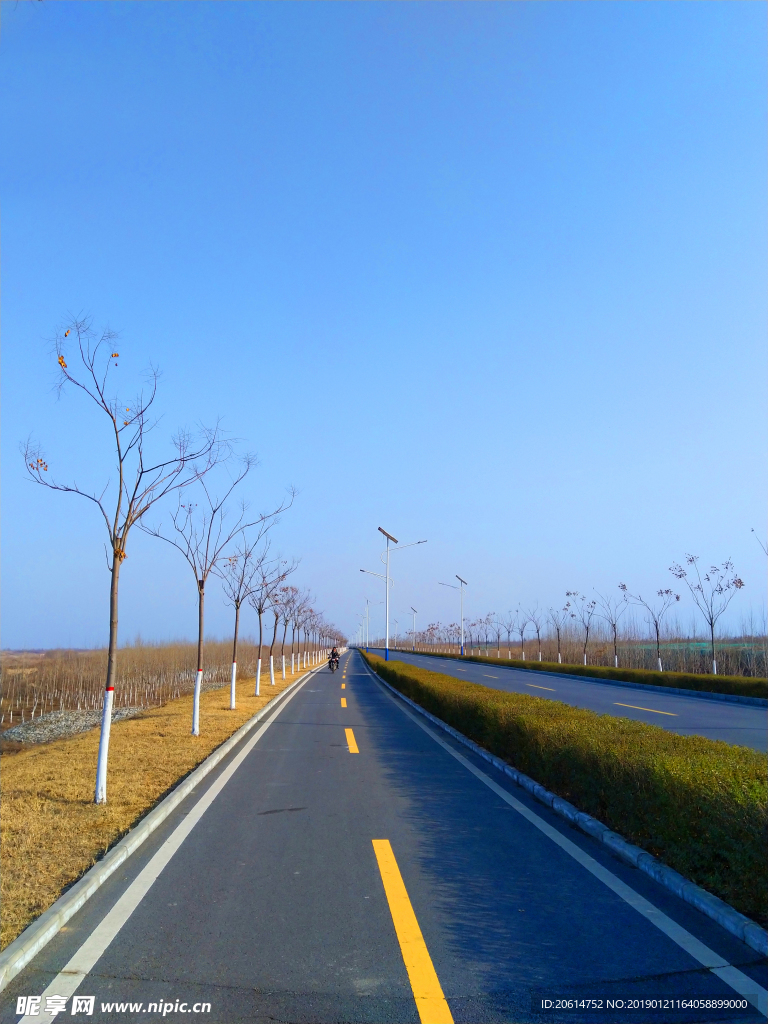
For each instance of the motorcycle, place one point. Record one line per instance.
(333, 664)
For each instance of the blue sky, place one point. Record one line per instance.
(492, 274)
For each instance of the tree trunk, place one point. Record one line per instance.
(100, 796)
(658, 647)
(274, 633)
(199, 676)
(714, 659)
(233, 681)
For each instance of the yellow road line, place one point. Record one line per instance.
(343, 702)
(351, 742)
(343, 686)
(655, 712)
(430, 1001)
(541, 687)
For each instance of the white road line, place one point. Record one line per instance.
(733, 977)
(79, 966)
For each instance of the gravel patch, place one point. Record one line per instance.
(57, 725)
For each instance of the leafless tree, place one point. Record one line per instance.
(584, 611)
(655, 612)
(712, 592)
(558, 618)
(610, 609)
(521, 621)
(203, 538)
(239, 573)
(140, 481)
(271, 575)
(276, 602)
(509, 628)
(536, 619)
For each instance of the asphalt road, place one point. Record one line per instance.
(741, 724)
(405, 881)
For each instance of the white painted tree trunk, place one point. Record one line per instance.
(232, 686)
(559, 658)
(615, 661)
(714, 667)
(283, 666)
(101, 769)
(292, 668)
(258, 677)
(271, 671)
(585, 659)
(660, 668)
(539, 655)
(196, 705)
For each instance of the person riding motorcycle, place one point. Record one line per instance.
(333, 660)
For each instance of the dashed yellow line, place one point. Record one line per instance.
(351, 742)
(652, 710)
(343, 702)
(343, 686)
(430, 1001)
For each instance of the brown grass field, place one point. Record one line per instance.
(52, 832)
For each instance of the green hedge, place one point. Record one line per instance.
(697, 804)
(744, 686)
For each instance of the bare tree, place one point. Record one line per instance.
(238, 578)
(558, 618)
(712, 593)
(610, 609)
(270, 576)
(203, 538)
(536, 619)
(521, 621)
(584, 612)
(140, 481)
(509, 628)
(655, 612)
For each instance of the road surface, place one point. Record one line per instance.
(347, 863)
(742, 724)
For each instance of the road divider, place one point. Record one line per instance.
(653, 711)
(427, 991)
(343, 702)
(699, 804)
(351, 742)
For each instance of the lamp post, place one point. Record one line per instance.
(388, 582)
(415, 613)
(460, 588)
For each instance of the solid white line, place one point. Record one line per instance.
(81, 964)
(733, 977)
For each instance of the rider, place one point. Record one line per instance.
(334, 654)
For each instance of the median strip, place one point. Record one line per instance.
(430, 1001)
(343, 702)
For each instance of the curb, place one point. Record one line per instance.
(15, 957)
(729, 698)
(748, 931)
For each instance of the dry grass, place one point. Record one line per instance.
(52, 831)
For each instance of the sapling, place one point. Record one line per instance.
(140, 481)
(711, 593)
(610, 609)
(584, 612)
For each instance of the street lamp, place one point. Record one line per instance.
(415, 613)
(463, 583)
(388, 582)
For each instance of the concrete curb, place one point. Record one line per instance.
(729, 698)
(15, 957)
(718, 910)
